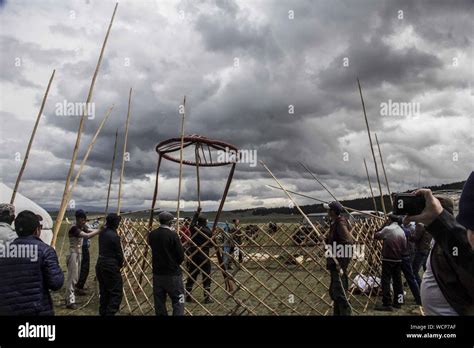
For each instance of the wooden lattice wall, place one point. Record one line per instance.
(283, 272)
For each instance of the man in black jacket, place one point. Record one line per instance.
(199, 262)
(109, 263)
(25, 281)
(167, 255)
(447, 284)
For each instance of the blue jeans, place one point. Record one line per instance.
(226, 257)
(411, 279)
(418, 261)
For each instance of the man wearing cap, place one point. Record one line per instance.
(393, 249)
(448, 283)
(109, 263)
(76, 234)
(339, 234)
(167, 255)
(27, 277)
(7, 215)
(199, 261)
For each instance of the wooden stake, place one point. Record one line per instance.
(324, 187)
(27, 153)
(370, 185)
(320, 235)
(155, 196)
(384, 172)
(180, 164)
(228, 278)
(89, 149)
(292, 200)
(321, 201)
(372, 149)
(62, 208)
(119, 202)
(198, 179)
(111, 174)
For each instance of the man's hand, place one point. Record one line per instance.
(433, 209)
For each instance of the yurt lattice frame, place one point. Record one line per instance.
(273, 271)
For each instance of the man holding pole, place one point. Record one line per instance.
(339, 234)
(199, 262)
(76, 234)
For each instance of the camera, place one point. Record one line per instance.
(408, 204)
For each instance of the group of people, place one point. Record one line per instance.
(109, 263)
(29, 268)
(435, 240)
(168, 254)
(28, 279)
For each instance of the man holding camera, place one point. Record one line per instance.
(448, 283)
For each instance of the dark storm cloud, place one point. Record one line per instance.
(376, 63)
(228, 33)
(433, 20)
(282, 62)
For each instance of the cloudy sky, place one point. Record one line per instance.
(274, 76)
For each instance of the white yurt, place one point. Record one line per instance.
(23, 203)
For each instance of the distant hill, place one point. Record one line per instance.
(365, 203)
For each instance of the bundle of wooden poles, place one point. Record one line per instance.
(69, 187)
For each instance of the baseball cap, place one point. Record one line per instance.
(334, 206)
(81, 214)
(165, 217)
